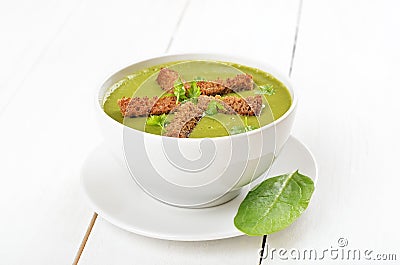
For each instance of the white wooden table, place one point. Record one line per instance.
(54, 55)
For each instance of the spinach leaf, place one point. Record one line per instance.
(274, 204)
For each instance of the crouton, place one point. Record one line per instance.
(210, 88)
(249, 106)
(164, 105)
(186, 117)
(137, 107)
(240, 82)
(166, 78)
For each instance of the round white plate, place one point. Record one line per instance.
(114, 195)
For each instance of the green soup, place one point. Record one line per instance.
(143, 83)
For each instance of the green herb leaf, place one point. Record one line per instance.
(248, 127)
(274, 204)
(219, 105)
(168, 95)
(179, 91)
(242, 129)
(213, 107)
(152, 120)
(157, 120)
(266, 90)
(237, 130)
(193, 92)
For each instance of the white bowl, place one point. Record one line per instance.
(195, 172)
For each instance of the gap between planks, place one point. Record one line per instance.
(295, 36)
(85, 239)
(177, 26)
(40, 56)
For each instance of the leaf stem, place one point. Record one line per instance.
(264, 241)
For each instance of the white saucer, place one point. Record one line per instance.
(115, 196)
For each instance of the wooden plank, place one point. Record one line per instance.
(345, 69)
(27, 31)
(110, 245)
(48, 127)
(262, 30)
(274, 25)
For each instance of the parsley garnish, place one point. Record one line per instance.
(158, 120)
(183, 95)
(213, 107)
(242, 129)
(266, 90)
(193, 92)
(179, 91)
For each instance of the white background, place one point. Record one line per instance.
(55, 54)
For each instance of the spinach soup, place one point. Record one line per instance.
(197, 99)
